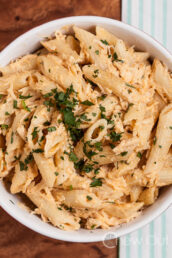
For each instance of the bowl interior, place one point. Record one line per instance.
(28, 43)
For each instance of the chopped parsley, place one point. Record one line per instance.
(89, 153)
(160, 146)
(116, 59)
(97, 52)
(71, 187)
(139, 155)
(72, 156)
(47, 95)
(92, 83)
(101, 127)
(104, 42)
(96, 171)
(170, 127)
(102, 109)
(42, 138)
(34, 133)
(17, 158)
(88, 168)
(102, 115)
(96, 182)
(87, 103)
(37, 151)
(129, 85)
(65, 103)
(89, 198)
(48, 104)
(154, 140)
(84, 117)
(12, 134)
(25, 106)
(51, 129)
(112, 145)
(96, 72)
(56, 173)
(129, 105)
(79, 165)
(94, 114)
(115, 137)
(15, 104)
(47, 123)
(24, 97)
(4, 126)
(124, 153)
(22, 166)
(7, 114)
(28, 159)
(103, 97)
(98, 146)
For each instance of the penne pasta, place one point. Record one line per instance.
(111, 83)
(86, 129)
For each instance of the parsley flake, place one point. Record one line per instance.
(96, 182)
(25, 106)
(129, 85)
(15, 104)
(87, 103)
(24, 97)
(139, 155)
(89, 198)
(51, 129)
(37, 151)
(154, 140)
(22, 166)
(12, 134)
(104, 42)
(4, 126)
(124, 153)
(34, 133)
(115, 58)
(115, 137)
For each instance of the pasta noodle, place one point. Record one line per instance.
(86, 129)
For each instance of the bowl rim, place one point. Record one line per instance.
(93, 19)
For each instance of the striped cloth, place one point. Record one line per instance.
(155, 239)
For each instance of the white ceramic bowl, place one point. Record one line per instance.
(29, 42)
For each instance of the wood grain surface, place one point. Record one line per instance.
(16, 17)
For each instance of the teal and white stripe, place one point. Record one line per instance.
(155, 239)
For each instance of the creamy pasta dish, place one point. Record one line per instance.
(86, 129)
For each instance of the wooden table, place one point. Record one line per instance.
(16, 17)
